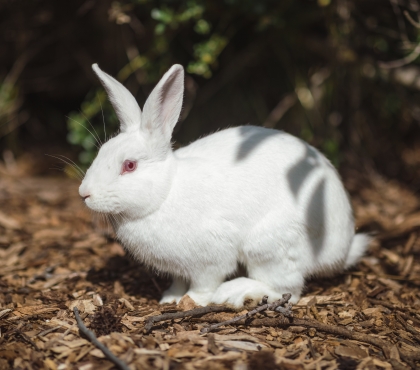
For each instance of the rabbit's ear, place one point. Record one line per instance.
(163, 106)
(124, 103)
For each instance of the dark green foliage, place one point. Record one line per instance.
(244, 58)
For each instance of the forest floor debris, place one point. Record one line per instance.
(56, 256)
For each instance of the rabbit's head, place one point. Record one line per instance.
(133, 171)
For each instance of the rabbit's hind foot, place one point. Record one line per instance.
(237, 291)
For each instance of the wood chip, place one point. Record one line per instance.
(8, 222)
(60, 261)
(353, 352)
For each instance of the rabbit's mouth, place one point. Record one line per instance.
(97, 205)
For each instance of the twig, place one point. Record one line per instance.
(387, 348)
(377, 302)
(400, 20)
(89, 334)
(268, 306)
(283, 322)
(67, 331)
(181, 315)
(16, 331)
(403, 61)
(400, 309)
(383, 345)
(311, 348)
(47, 331)
(26, 339)
(411, 20)
(409, 328)
(280, 110)
(408, 317)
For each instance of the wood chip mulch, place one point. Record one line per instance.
(55, 255)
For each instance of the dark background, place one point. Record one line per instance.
(342, 74)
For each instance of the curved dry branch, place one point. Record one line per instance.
(275, 306)
(402, 62)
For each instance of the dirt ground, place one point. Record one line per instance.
(55, 255)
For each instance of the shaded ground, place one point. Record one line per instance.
(55, 255)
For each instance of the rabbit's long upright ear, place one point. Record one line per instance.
(163, 106)
(124, 103)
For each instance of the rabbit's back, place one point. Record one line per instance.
(236, 144)
(249, 164)
(249, 174)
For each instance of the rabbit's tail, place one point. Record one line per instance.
(358, 248)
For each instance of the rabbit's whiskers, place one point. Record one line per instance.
(98, 139)
(77, 170)
(97, 142)
(103, 118)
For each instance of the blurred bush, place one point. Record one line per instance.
(341, 74)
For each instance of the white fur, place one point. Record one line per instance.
(248, 195)
(125, 105)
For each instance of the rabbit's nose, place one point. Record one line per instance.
(84, 192)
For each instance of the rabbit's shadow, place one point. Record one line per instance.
(136, 280)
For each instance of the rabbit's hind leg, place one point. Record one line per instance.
(280, 278)
(276, 255)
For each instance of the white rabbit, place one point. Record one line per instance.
(245, 195)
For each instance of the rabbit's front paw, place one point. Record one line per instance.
(169, 298)
(175, 292)
(200, 298)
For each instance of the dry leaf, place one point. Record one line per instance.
(353, 352)
(8, 222)
(186, 303)
(97, 353)
(83, 305)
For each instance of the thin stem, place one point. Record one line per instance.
(91, 336)
(268, 306)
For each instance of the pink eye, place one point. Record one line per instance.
(128, 166)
